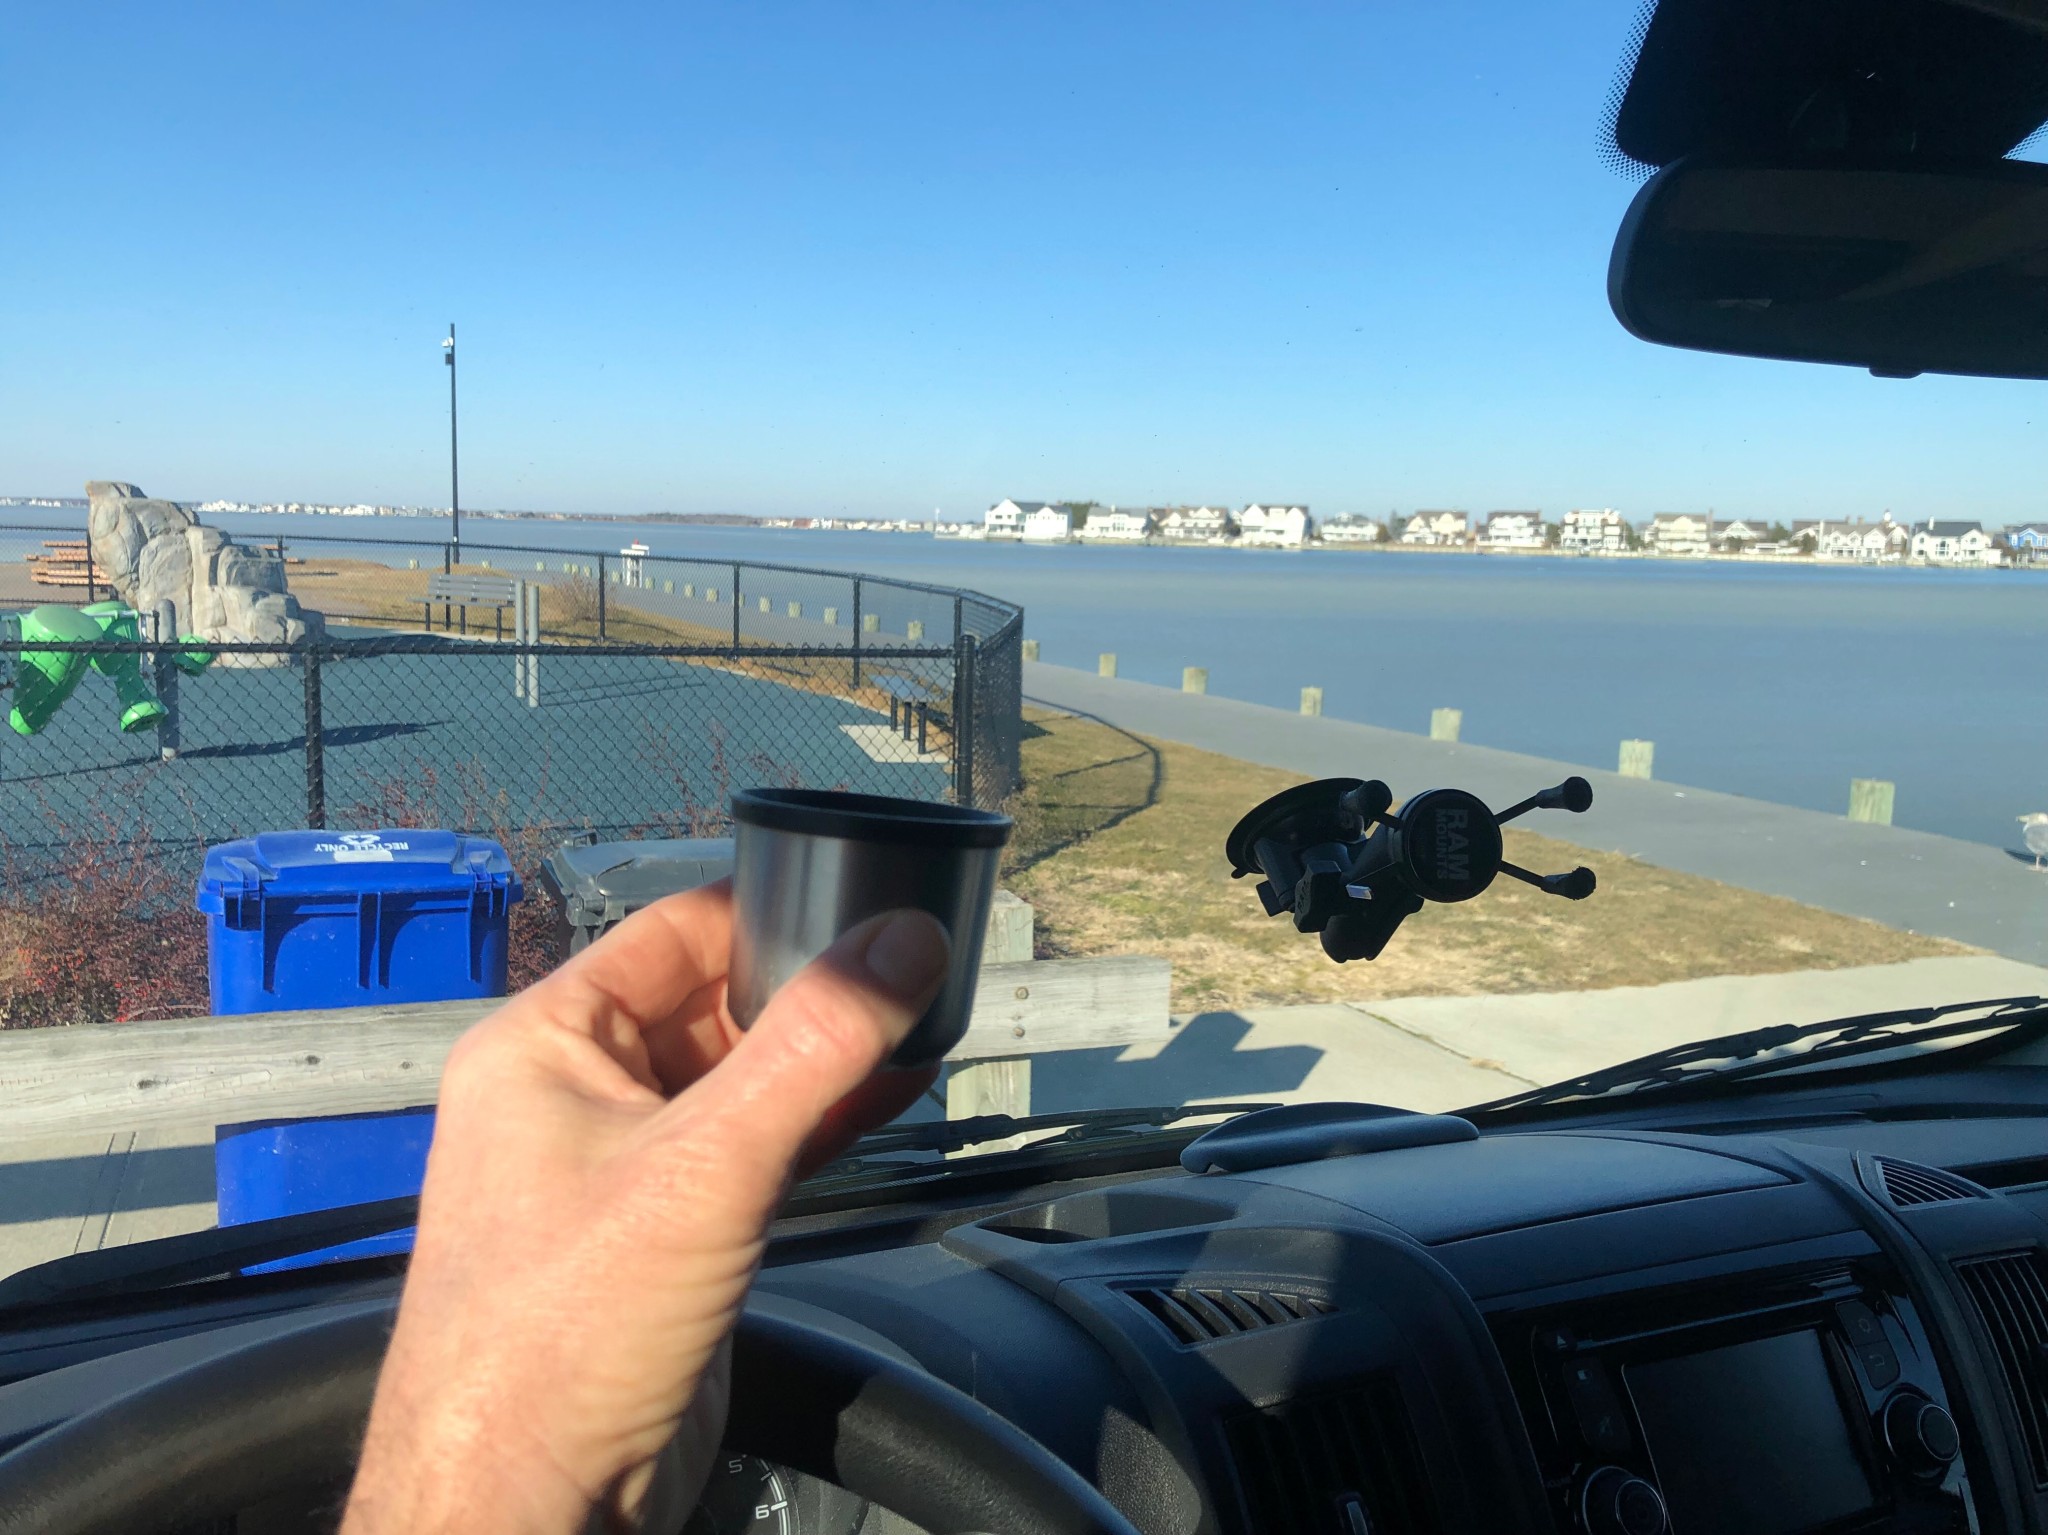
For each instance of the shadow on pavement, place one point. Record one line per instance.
(58, 1187)
(1203, 1060)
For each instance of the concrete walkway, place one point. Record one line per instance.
(1427, 1053)
(1907, 879)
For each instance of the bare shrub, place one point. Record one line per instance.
(103, 932)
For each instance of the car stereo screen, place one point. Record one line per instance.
(1750, 1439)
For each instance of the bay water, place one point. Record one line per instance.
(1777, 681)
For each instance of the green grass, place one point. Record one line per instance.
(1119, 846)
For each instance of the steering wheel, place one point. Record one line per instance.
(287, 1411)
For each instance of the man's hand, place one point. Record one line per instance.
(608, 1155)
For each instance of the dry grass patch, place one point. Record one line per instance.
(1119, 846)
(361, 591)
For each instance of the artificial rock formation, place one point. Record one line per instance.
(156, 552)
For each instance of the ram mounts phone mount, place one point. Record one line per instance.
(1330, 854)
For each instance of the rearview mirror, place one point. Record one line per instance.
(1900, 271)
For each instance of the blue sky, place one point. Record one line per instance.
(885, 257)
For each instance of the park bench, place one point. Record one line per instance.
(910, 700)
(464, 591)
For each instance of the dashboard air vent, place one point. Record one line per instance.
(1909, 1183)
(1319, 1463)
(1202, 1313)
(2011, 1297)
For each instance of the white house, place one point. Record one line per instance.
(1739, 534)
(1437, 528)
(1006, 518)
(1278, 524)
(1197, 524)
(1117, 527)
(1512, 530)
(1677, 533)
(1587, 531)
(1048, 524)
(1859, 540)
(1955, 543)
(1351, 530)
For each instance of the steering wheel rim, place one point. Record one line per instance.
(288, 1411)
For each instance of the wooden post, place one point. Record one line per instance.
(1001, 1085)
(1105, 664)
(1030, 648)
(1194, 679)
(1870, 799)
(1311, 700)
(1444, 724)
(1637, 758)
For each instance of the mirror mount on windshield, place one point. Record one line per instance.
(1895, 265)
(1332, 855)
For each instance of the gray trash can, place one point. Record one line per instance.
(597, 885)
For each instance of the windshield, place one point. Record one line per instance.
(444, 458)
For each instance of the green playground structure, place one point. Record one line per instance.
(44, 679)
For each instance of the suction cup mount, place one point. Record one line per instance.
(1334, 856)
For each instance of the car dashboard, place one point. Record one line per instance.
(1828, 1327)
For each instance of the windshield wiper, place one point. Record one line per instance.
(944, 1135)
(212, 1254)
(225, 1250)
(1737, 1057)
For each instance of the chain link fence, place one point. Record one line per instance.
(655, 686)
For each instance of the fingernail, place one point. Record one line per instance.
(909, 954)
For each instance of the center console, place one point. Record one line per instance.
(1789, 1405)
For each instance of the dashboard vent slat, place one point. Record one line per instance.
(1203, 1313)
(2011, 1297)
(1296, 1462)
(1910, 1183)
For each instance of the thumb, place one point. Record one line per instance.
(828, 1030)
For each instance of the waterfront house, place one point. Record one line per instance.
(1437, 529)
(1860, 540)
(1277, 524)
(1006, 518)
(1587, 531)
(1739, 535)
(1113, 526)
(1197, 525)
(1512, 530)
(1954, 543)
(1677, 533)
(2027, 543)
(1048, 524)
(1352, 530)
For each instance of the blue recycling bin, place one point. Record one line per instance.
(321, 919)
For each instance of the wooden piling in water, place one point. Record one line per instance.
(1870, 799)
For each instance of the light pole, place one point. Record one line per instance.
(454, 478)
